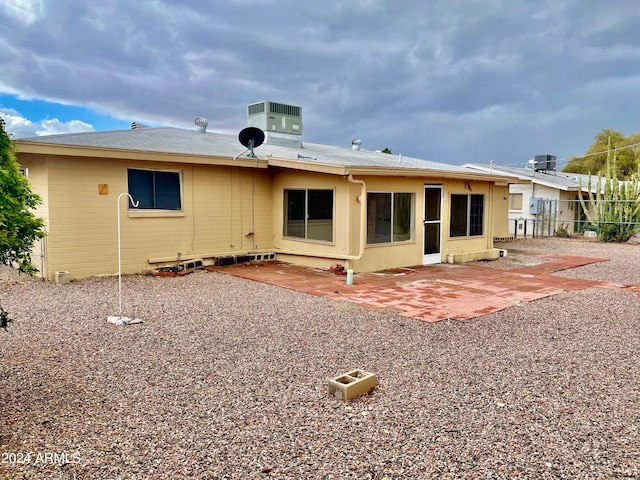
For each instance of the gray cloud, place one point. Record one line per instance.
(453, 81)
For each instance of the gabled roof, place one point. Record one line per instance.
(559, 180)
(190, 146)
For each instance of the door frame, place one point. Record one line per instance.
(436, 257)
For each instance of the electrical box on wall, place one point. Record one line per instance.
(535, 205)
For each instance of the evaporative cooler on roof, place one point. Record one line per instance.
(275, 117)
(545, 162)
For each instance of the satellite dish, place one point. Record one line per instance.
(251, 137)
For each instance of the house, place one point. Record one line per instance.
(201, 195)
(543, 201)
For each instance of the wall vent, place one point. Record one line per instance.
(256, 108)
(283, 109)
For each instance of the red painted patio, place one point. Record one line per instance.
(430, 293)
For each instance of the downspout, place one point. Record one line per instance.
(533, 217)
(492, 202)
(362, 198)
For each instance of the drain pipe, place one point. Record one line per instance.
(42, 259)
(362, 198)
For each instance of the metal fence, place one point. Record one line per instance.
(563, 218)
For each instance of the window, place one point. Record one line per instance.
(467, 215)
(515, 201)
(154, 189)
(389, 217)
(308, 214)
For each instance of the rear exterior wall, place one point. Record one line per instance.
(225, 210)
(346, 248)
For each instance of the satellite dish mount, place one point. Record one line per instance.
(251, 137)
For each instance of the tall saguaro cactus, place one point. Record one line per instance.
(615, 205)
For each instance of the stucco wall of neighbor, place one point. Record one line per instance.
(566, 212)
(525, 190)
(566, 207)
(224, 210)
(528, 191)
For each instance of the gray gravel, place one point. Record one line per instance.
(226, 378)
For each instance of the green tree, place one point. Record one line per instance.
(19, 227)
(386, 150)
(615, 205)
(594, 161)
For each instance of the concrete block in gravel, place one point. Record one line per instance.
(351, 384)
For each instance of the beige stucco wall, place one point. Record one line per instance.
(343, 205)
(37, 176)
(461, 245)
(345, 249)
(501, 212)
(404, 254)
(567, 211)
(221, 208)
(226, 210)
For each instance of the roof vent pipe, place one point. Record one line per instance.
(201, 124)
(356, 143)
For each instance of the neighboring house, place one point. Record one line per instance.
(202, 196)
(542, 200)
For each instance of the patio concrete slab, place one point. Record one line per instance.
(434, 292)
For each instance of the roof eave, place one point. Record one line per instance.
(332, 169)
(54, 149)
(565, 188)
(307, 166)
(425, 172)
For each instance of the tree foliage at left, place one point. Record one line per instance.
(19, 227)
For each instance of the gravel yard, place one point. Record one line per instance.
(227, 378)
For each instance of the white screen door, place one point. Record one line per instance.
(432, 231)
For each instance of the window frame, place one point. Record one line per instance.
(511, 203)
(286, 233)
(154, 193)
(471, 227)
(392, 218)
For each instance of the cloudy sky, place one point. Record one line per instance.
(447, 80)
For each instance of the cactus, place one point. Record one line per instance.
(615, 206)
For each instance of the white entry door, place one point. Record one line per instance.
(432, 231)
